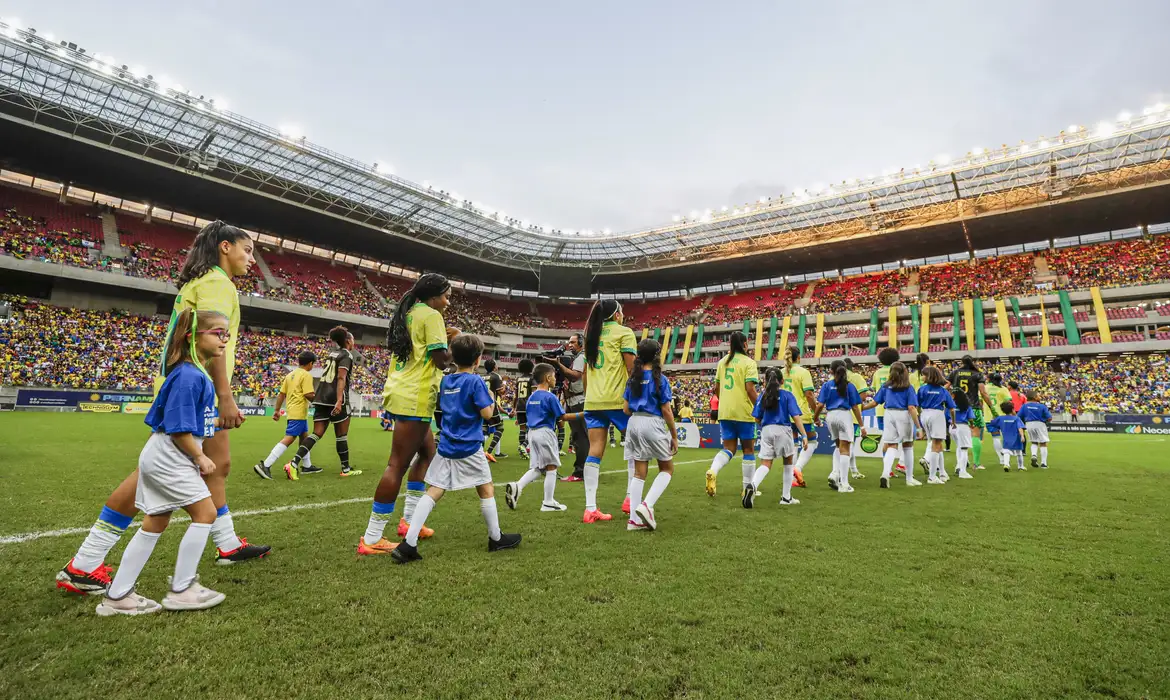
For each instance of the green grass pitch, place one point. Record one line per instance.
(1021, 585)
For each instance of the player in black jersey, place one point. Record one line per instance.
(520, 403)
(494, 425)
(969, 380)
(330, 405)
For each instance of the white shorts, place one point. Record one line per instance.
(452, 474)
(167, 479)
(963, 436)
(543, 449)
(840, 423)
(776, 442)
(898, 427)
(647, 438)
(1037, 431)
(934, 423)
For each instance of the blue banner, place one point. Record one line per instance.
(71, 399)
(1136, 419)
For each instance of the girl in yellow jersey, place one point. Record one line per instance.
(736, 378)
(219, 253)
(610, 349)
(799, 381)
(418, 340)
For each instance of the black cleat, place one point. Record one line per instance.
(884, 482)
(506, 541)
(1035, 463)
(404, 554)
(1043, 466)
(311, 469)
(749, 496)
(262, 471)
(242, 553)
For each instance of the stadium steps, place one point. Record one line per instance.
(1042, 273)
(269, 279)
(911, 289)
(805, 301)
(373, 289)
(112, 245)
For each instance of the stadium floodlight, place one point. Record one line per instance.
(735, 212)
(763, 200)
(1024, 148)
(1044, 144)
(289, 131)
(220, 103)
(1105, 129)
(723, 208)
(10, 27)
(694, 214)
(676, 218)
(1124, 117)
(1074, 128)
(383, 169)
(977, 151)
(606, 231)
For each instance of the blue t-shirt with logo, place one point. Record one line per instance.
(833, 400)
(462, 396)
(651, 399)
(543, 410)
(786, 409)
(965, 416)
(1034, 411)
(1009, 426)
(896, 398)
(185, 404)
(937, 397)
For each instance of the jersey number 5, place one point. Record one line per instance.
(728, 378)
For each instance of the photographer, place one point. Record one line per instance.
(570, 364)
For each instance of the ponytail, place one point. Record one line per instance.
(790, 358)
(738, 344)
(204, 253)
(840, 378)
(425, 287)
(649, 351)
(602, 311)
(772, 383)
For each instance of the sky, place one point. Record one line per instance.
(620, 114)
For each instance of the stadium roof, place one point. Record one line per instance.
(71, 115)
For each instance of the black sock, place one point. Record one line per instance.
(560, 435)
(304, 449)
(343, 451)
(523, 436)
(495, 440)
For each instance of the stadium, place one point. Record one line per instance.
(1049, 264)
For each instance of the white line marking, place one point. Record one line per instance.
(31, 536)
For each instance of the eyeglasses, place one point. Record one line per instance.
(222, 334)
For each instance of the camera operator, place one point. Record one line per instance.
(569, 362)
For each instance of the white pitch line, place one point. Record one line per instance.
(20, 538)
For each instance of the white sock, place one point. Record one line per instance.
(1044, 455)
(491, 517)
(425, 505)
(190, 551)
(308, 460)
(656, 488)
(133, 559)
(889, 460)
(842, 470)
(277, 450)
(761, 474)
(550, 486)
(853, 450)
(592, 474)
(908, 456)
(997, 444)
(806, 455)
(630, 480)
(223, 531)
(961, 457)
(97, 544)
(636, 486)
(529, 476)
(789, 471)
(380, 514)
(749, 469)
(499, 446)
(940, 468)
(1035, 449)
(722, 457)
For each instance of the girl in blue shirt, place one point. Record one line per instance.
(840, 398)
(650, 433)
(963, 417)
(543, 414)
(172, 467)
(1011, 430)
(936, 404)
(901, 404)
(776, 410)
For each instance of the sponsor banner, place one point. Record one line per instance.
(255, 411)
(1080, 428)
(1141, 430)
(136, 407)
(99, 407)
(689, 434)
(1136, 419)
(67, 398)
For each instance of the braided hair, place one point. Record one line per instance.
(426, 287)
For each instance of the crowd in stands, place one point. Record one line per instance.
(312, 281)
(1128, 262)
(1005, 276)
(34, 237)
(857, 293)
(479, 314)
(752, 303)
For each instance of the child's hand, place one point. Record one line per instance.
(206, 466)
(452, 331)
(864, 433)
(673, 444)
(336, 409)
(276, 416)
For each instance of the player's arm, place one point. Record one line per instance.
(628, 357)
(342, 375)
(810, 398)
(986, 397)
(817, 407)
(189, 446)
(753, 391)
(276, 407)
(229, 414)
(800, 427)
(626, 407)
(668, 417)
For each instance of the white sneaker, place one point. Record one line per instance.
(980, 468)
(196, 597)
(910, 481)
(511, 494)
(646, 513)
(965, 475)
(789, 502)
(934, 480)
(632, 526)
(554, 506)
(833, 482)
(922, 462)
(1021, 468)
(944, 477)
(129, 604)
(845, 489)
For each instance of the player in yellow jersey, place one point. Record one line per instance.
(296, 391)
(610, 349)
(736, 382)
(218, 253)
(418, 341)
(798, 380)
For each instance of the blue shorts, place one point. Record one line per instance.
(395, 417)
(737, 430)
(603, 419)
(296, 428)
